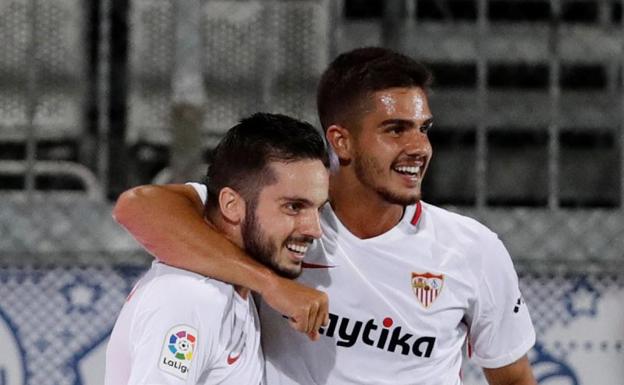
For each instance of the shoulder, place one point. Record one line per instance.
(177, 290)
(481, 247)
(456, 227)
(170, 301)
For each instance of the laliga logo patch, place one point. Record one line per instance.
(427, 287)
(177, 352)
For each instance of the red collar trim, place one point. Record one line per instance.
(307, 265)
(416, 216)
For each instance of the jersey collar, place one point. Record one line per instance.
(417, 213)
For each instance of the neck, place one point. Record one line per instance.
(366, 216)
(231, 233)
(242, 291)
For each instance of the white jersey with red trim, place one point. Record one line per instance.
(402, 305)
(178, 327)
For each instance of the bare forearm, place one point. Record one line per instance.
(518, 373)
(168, 222)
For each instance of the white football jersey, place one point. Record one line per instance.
(178, 327)
(403, 305)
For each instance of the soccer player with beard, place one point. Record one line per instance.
(268, 180)
(409, 283)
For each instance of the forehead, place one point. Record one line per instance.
(305, 179)
(404, 103)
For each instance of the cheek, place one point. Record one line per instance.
(377, 146)
(284, 228)
(388, 148)
(279, 226)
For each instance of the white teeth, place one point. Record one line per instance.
(412, 170)
(297, 248)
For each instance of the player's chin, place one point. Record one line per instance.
(404, 197)
(289, 269)
(290, 272)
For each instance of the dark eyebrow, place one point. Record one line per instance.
(296, 199)
(404, 122)
(303, 201)
(400, 122)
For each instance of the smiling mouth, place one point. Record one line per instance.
(298, 249)
(413, 171)
(412, 166)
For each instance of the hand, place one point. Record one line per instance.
(306, 308)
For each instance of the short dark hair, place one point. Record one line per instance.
(354, 75)
(242, 158)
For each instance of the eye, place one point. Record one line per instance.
(426, 127)
(293, 208)
(395, 130)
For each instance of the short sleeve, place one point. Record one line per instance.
(170, 341)
(501, 331)
(201, 190)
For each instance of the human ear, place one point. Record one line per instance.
(231, 205)
(339, 138)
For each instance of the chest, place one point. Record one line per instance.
(415, 284)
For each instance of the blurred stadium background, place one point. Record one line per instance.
(96, 97)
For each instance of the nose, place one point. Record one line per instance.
(417, 143)
(310, 225)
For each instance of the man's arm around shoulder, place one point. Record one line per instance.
(168, 221)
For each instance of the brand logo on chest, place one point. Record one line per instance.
(427, 287)
(387, 336)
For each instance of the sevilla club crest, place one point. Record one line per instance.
(427, 287)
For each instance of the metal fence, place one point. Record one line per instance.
(257, 55)
(43, 90)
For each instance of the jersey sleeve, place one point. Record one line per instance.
(200, 189)
(501, 331)
(170, 338)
